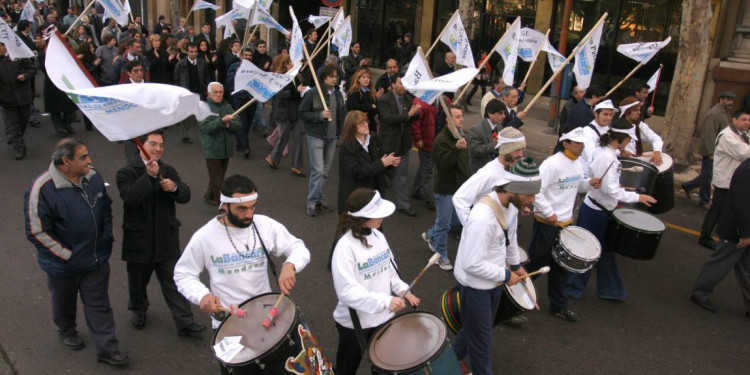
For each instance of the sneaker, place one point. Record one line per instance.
(566, 314)
(312, 211)
(73, 342)
(445, 264)
(323, 207)
(427, 239)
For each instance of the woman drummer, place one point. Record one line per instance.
(596, 208)
(364, 275)
(630, 111)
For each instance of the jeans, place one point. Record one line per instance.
(703, 181)
(608, 281)
(543, 240)
(478, 310)
(445, 220)
(259, 118)
(321, 156)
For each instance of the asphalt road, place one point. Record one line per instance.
(656, 330)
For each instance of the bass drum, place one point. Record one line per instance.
(664, 185)
(286, 347)
(638, 175)
(634, 233)
(413, 343)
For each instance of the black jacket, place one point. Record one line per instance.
(285, 104)
(160, 68)
(150, 227)
(735, 219)
(362, 101)
(15, 92)
(358, 168)
(311, 108)
(395, 127)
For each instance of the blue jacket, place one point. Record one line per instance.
(71, 226)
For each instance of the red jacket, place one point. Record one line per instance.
(423, 129)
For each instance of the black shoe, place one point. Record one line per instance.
(430, 205)
(566, 314)
(705, 303)
(312, 211)
(298, 173)
(322, 207)
(113, 359)
(34, 124)
(686, 191)
(187, 140)
(747, 315)
(708, 243)
(20, 154)
(138, 320)
(246, 153)
(193, 330)
(418, 195)
(407, 212)
(73, 342)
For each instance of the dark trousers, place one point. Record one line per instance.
(16, 118)
(423, 179)
(349, 354)
(217, 168)
(246, 120)
(93, 287)
(139, 274)
(713, 215)
(478, 310)
(543, 240)
(703, 181)
(62, 121)
(726, 257)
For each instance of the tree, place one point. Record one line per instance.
(688, 81)
(176, 12)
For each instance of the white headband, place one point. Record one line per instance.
(624, 131)
(502, 140)
(626, 107)
(243, 199)
(377, 208)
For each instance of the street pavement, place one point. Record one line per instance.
(655, 330)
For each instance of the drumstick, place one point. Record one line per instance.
(635, 169)
(607, 170)
(274, 311)
(540, 271)
(432, 261)
(523, 284)
(236, 311)
(639, 190)
(571, 232)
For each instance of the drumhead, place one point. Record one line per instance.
(666, 162)
(256, 339)
(628, 162)
(580, 242)
(518, 294)
(407, 341)
(638, 220)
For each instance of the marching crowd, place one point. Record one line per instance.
(477, 182)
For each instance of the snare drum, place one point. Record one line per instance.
(287, 347)
(634, 233)
(664, 185)
(577, 249)
(413, 343)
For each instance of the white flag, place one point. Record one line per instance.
(117, 10)
(120, 112)
(261, 15)
(507, 48)
(318, 21)
(454, 36)
(245, 4)
(234, 14)
(447, 83)
(654, 80)
(586, 58)
(529, 44)
(266, 4)
(554, 58)
(342, 37)
(260, 84)
(298, 42)
(28, 11)
(642, 52)
(338, 19)
(17, 49)
(200, 4)
(416, 73)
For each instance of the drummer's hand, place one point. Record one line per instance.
(626, 154)
(552, 219)
(287, 278)
(412, 299)
(595, 182)
(646, 199)
(656, 158)
(210, 304)
(744, 242)
(397, 304)
(513, 279)
(520, 272)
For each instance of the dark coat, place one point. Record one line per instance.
(362, 101)
(481, 145)
(150, 226)
(734, 223)
(395, 127)
(285, 104)
(581, 115)
(511, 120)
(311, 112)
(160, 68)
(358, 168)
(451, 164)
(182, 78)
(55, 100)
(15, 92)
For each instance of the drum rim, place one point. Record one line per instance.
(664, 156)
(643, 163)
(406, 370)
(588, 234)
(297, 318)
(626, 225)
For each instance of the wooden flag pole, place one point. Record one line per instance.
(564, 64)
(315, 78)
(187, 16)
(441, 35)
(327, 32)
(320, 45)
(79, 17)
(658, 76)
(535, 58)
(627, 77)
(448, 119)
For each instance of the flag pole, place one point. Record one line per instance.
(79, 17)
(627, 77)
(187, 17)
(448, 119)
(328, 31)
(319, 46)
(564, 64)
(315, 78)
(441, 35)
(658, 76)
(528, 73)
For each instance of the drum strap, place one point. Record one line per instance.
(594, 129)
(597, 204)
(359, 333)
(499, 215)
(271, 264)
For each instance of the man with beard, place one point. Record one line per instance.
(239, 242)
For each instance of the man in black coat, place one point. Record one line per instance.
(16, 97)
(396, 112)
(149, 189)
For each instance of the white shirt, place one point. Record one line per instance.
(364, 279)
(648, 136)
(611, 192)
(591, 144)
(731, 151)
(477, 186)
(562, 179)
(235, 274)
(482, 255)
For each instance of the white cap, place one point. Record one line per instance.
(575, 135)
(377, 208)
(624, 108)
(607, 104)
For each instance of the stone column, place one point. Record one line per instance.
(741, 41)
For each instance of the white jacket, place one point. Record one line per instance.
(477, 186)
(611, 192)
(591, 144)
(731, 150)
(647, 136)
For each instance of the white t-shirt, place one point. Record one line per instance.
(477, 186)
(611, 192)
(562, 180)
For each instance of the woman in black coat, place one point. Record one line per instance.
(161, 63)
(362, 97)
(284, 115)
(360, 162)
